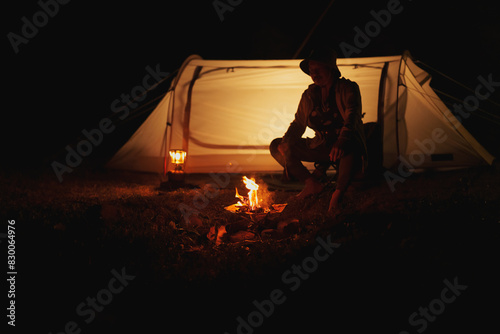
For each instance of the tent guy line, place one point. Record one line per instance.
(458, 109)
(458, 82)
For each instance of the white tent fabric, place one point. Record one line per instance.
(225, 113)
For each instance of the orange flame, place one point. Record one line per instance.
(253, 198)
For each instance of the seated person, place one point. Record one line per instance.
(331, 106)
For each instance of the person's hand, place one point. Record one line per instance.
(337, 152)
(283, 147)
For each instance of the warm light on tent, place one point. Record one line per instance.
(208, 119)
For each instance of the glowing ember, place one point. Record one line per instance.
(253, 199)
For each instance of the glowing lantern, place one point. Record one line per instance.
(177, 157)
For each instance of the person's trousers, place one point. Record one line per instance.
(348, 165)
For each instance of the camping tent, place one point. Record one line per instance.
(224, 114)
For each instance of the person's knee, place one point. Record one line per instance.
(273, 147)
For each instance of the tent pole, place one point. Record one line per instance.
(311, 32)
(187, 113)
(381, 106)
(398, 151)
(381, 95)
(170, 121)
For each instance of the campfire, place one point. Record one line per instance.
(251, 204)
(259, 217)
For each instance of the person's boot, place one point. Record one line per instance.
(312, 187)
(320, 171)
(287, 177)
(333, 208)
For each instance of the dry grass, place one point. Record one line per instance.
(126, 207)
(98, 221)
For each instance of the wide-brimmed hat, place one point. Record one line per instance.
(323, 55)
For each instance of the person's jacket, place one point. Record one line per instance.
(348, 100)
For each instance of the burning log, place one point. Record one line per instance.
(255, 219)
(251, 204)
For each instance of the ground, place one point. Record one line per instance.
(108, 251)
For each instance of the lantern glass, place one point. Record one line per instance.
(177, 156)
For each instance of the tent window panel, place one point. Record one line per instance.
(254, 106)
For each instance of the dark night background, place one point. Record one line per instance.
(65, 78)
